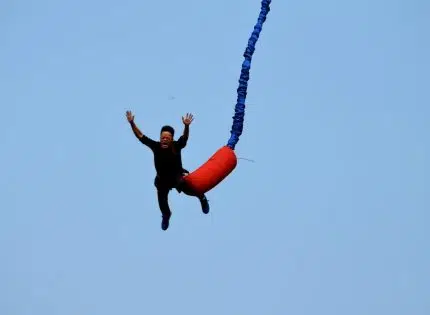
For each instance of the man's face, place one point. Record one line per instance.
(166, 139)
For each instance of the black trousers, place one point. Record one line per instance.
(164, 186)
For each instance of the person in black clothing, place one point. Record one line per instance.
(168, 164)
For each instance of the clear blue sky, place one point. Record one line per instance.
(330, 219)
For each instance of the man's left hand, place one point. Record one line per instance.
(188, 119)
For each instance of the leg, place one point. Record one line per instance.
(163, 203)
(182, 187)
(204, 203)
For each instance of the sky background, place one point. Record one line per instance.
(331, 216)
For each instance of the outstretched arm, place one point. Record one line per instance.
(187, 120)
(139, 135)
(186, 133)
(136, 131)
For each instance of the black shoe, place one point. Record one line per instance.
(205, 204)
(165, 222)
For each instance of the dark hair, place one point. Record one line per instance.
(168, 129)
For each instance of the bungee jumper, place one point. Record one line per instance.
(167, 151)
(168, 164)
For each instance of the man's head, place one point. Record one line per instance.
(166, 136)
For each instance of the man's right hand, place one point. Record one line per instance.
(130, 116)
(136, 131)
